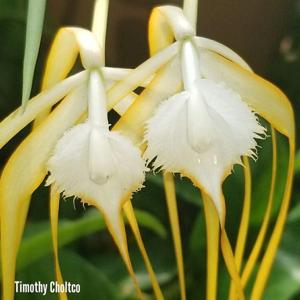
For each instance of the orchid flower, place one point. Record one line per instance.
(202, 131)
(197, 116)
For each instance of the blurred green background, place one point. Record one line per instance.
(267, 34)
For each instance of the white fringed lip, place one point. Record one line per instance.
(229, 134)
(70, 174)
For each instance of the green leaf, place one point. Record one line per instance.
(149, 221)
(34, 29)
(197, 241)
(39, 244)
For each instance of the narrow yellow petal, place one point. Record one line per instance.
(129, 212)
(251, 261)
(269, 255)
(174, 221)
(54, 211)
(23, 173)
(164, 84)
(16, 121)
(230, 264)
(141, 74)
(221, 49)
(244, 224)
(212, 240)
(265, 98)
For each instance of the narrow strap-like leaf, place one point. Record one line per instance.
(251, 261)
(34, 29)
(129, 212)
(244, 224)
(212, 241)
(54, 212)
(175, 227)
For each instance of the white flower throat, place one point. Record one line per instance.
(200, 128)
(101, 161)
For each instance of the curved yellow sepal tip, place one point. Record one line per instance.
(116, 228)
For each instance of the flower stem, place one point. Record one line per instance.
(99, 24)
(190, 9)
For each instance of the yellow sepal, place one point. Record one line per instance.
(22, 174)
(261, 95)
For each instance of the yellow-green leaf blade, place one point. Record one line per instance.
(35, 20)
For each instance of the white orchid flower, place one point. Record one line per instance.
(89, 161)
(202, 130)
